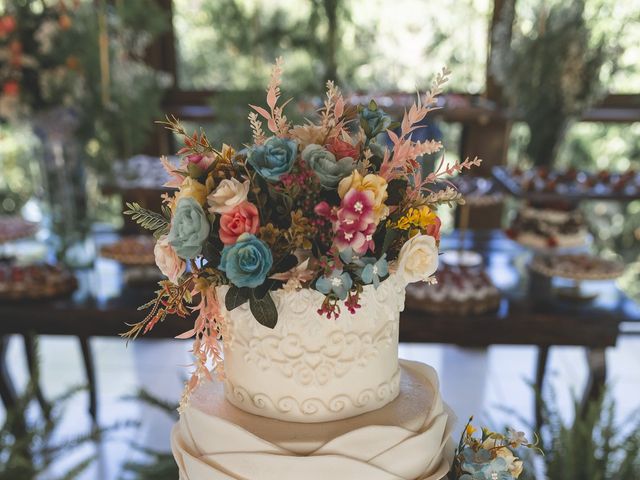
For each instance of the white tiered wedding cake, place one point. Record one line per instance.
(316, 398)
(292, 256)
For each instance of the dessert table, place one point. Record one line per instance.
(528, 315)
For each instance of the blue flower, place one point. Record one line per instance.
(247, 262)
(189, 228)
(324, 164)
(373, 120)
(480, 466)
(338, 283)
(373, 270)
(274, 158)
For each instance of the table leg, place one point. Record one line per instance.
(90, 371)
(541, 370)
(34, 371)
(7, 390)
(597, 362)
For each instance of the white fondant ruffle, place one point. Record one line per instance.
(207, 447)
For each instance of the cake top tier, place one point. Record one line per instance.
(310, 369)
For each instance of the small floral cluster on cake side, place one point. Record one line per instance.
(490, 457)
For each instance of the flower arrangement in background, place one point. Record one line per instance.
(320, 206)
(88, 57)
(35, 71)
(490, 457)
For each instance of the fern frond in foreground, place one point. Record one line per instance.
(147, 219)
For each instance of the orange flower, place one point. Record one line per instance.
(65, 22)
(11, 88)
(72, 62)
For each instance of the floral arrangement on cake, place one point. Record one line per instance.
(490, 457)
(324, 206)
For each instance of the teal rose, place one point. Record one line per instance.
(274, 158)
(373, 120)
(324, 164)
(247, 262)
(189, 228)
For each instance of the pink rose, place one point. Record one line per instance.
(243, 218)
(201, 161)
(168, 261)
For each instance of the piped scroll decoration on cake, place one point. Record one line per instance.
(312, 406)
(308, 366)
(309, 350)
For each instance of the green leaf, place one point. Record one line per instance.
(389, 237)
(236, 297)
(153, 221)
(211, 253)
(195, 171)
(264, 310)
(260, 291)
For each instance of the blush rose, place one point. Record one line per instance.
(243, 218)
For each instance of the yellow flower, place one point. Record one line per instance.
(426, 217)
(194, 189)
(374, 183)
(471, 430)
(416, 220)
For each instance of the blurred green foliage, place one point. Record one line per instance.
(386, 45)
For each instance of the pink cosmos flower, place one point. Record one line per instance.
(356, 211)
(243, 218)
(359, 241)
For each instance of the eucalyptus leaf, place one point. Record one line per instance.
(264, 310)
(236, 297)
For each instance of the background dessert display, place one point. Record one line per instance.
(131, 250)
(35, 282)
(15, 227)
(543, 183)
(460, 290)
(543, 225)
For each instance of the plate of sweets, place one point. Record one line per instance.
(458, 290)
(15, 227)
(549, 225)
(577, 267)
(134, 250)
(544, 183)
(35, 282)
(478, 191)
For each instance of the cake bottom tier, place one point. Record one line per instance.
(409, 439)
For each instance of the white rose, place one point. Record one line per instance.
(418, 258)
(167, 260)
(227, 195)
